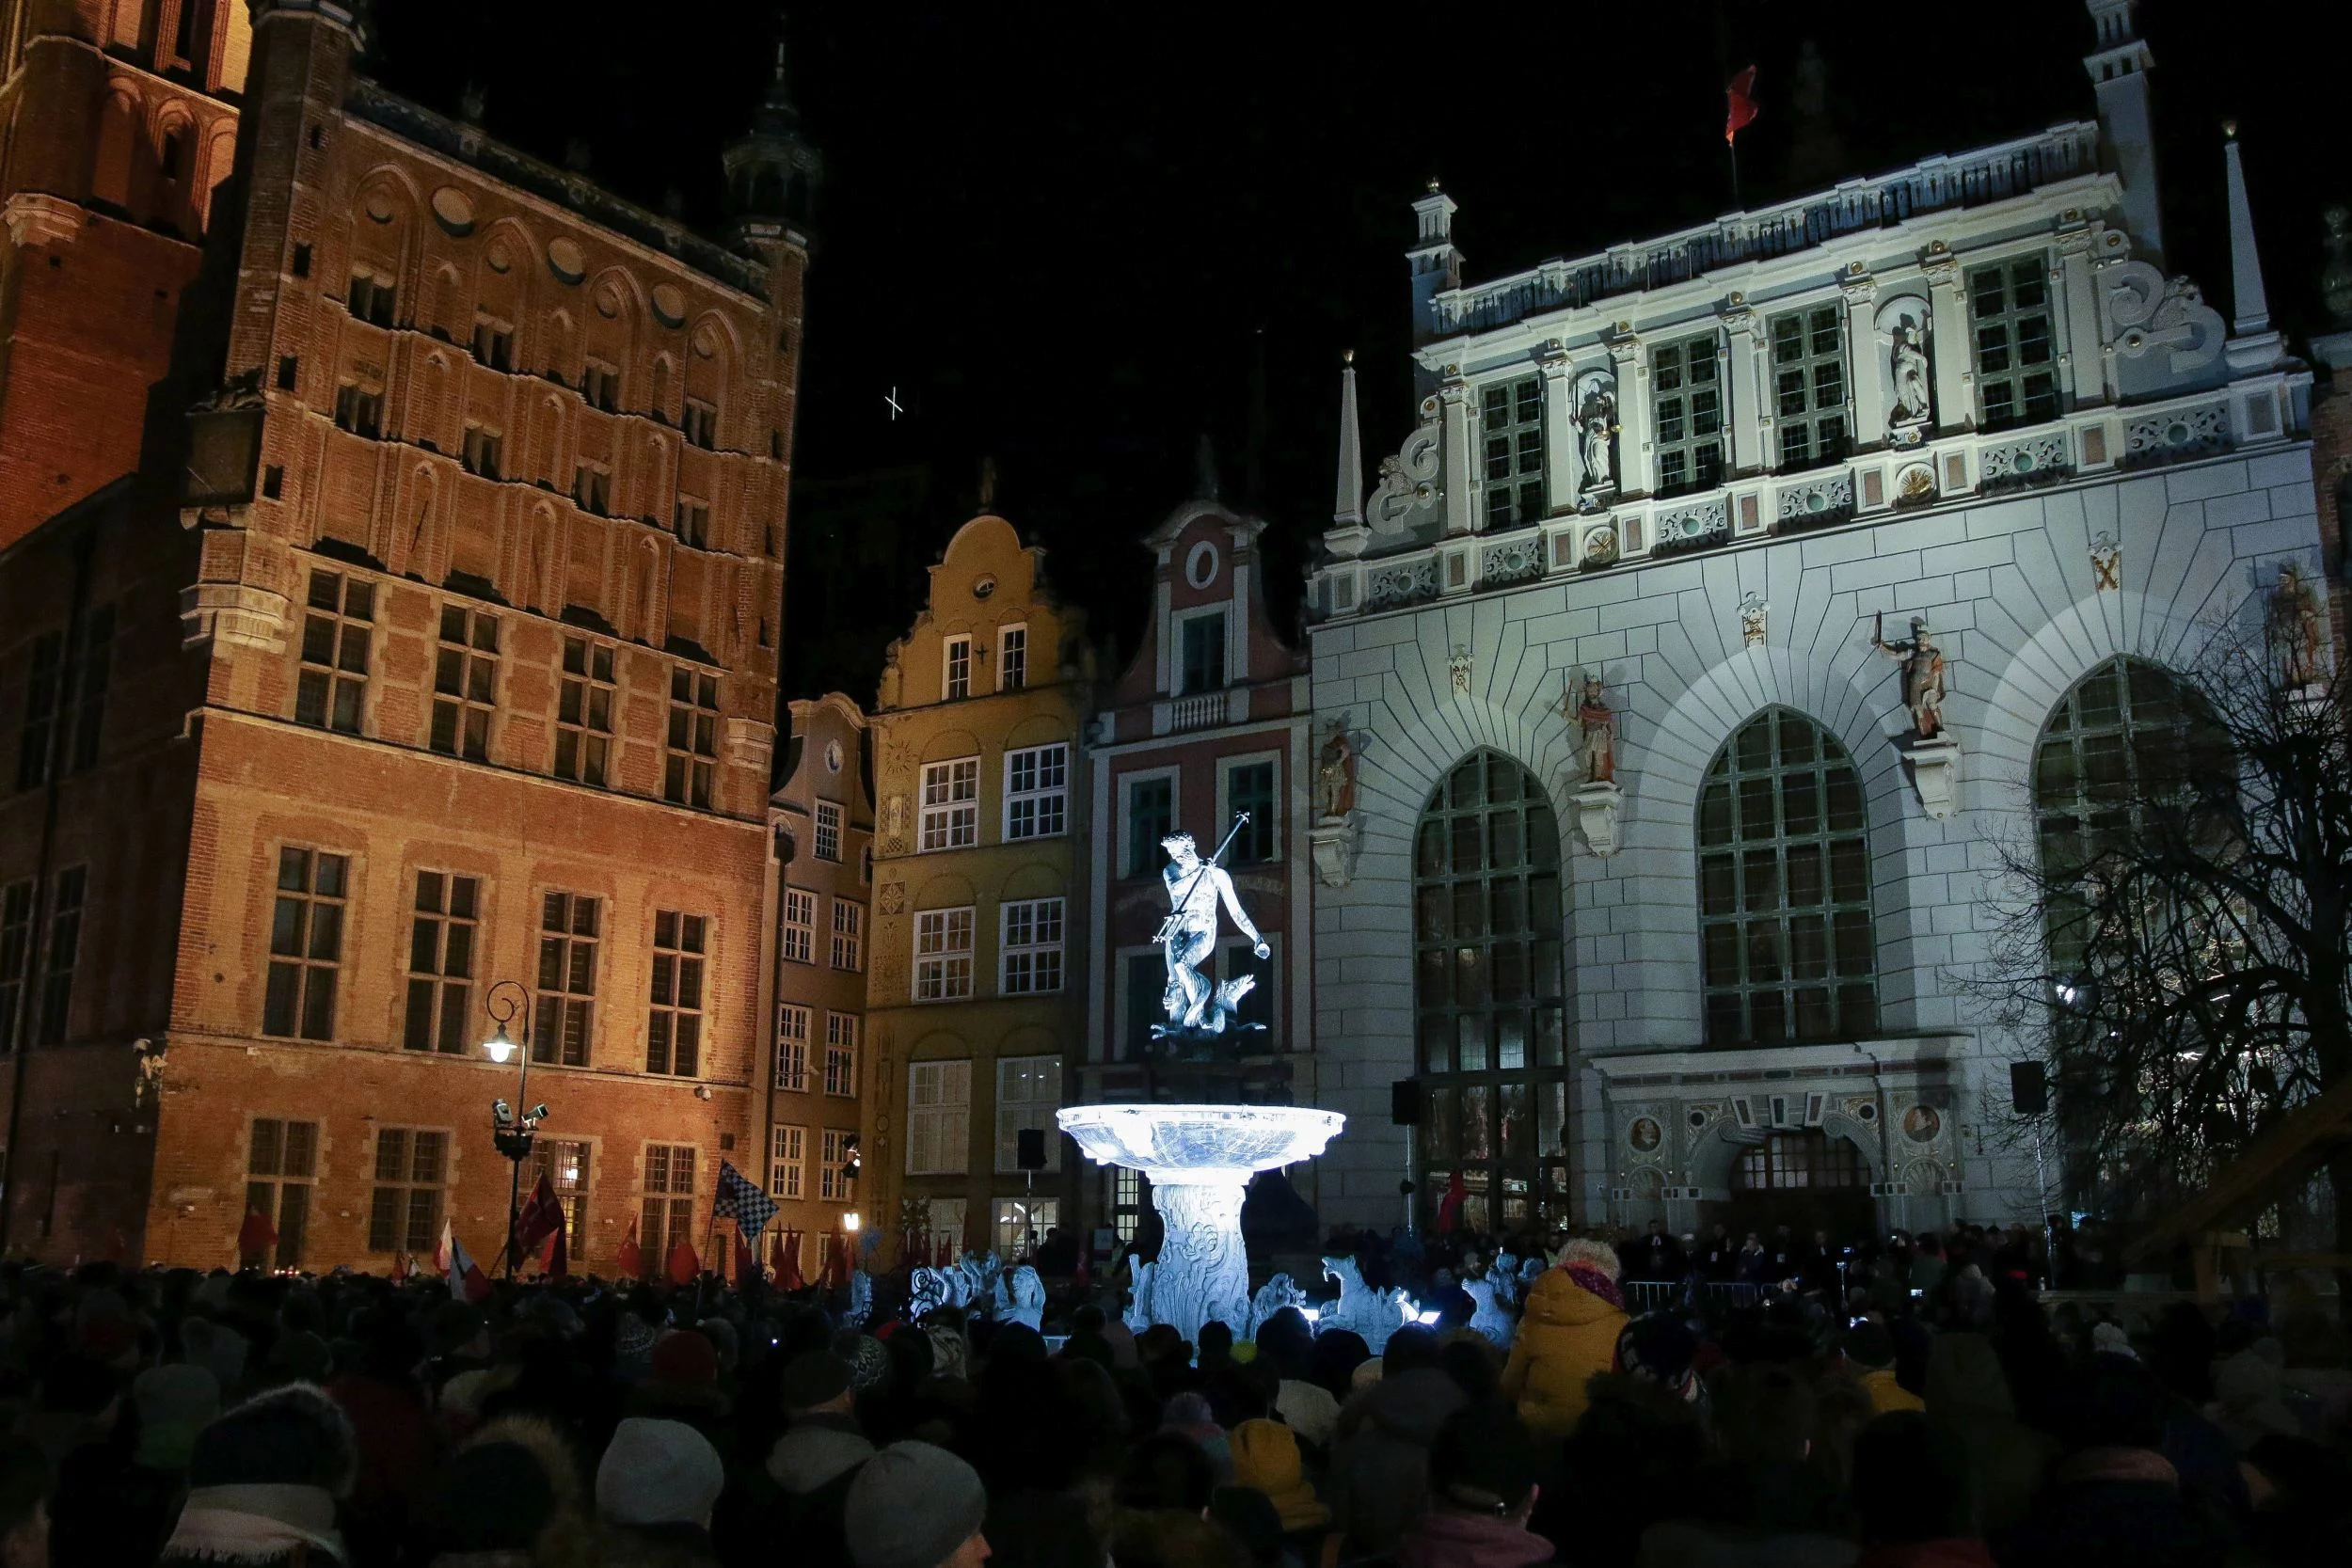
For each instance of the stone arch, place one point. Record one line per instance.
(546, 453)
(1715, 1154)
(1034, 881)
(220, 162)
(646, 604)
(540, 588)
(505, 296)
(389, 246)
(615, 338)
(114, 176)
(175, 155)
(712, 355)
(559, 352)
(946, 892)
(446, 313)
(662, 392)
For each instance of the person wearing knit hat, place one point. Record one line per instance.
(264, 1483)
(1567, 1332)
(916, 1506)
(1266, 1459)
(488, 1498)
(682, 1373)
(220, 1350)
(869, 1363)
(660, 1481)
(1870, 1351)
(817, 1460)
(1659, 1348)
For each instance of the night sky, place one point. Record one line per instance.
(1077, 240)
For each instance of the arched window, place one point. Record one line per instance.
(2128, 734)
(1488, 1001)
(1784, 928)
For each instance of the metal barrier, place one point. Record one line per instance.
(1666, 1295)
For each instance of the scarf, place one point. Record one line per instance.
(1590, 1278)
(256, 1525)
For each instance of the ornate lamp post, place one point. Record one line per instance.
(512, 1134)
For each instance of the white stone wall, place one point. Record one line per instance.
(2007, 587)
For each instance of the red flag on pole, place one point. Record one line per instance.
(1741, 94)
(540, 1217)
(559, 1255)
(255, 1237)
(631, 1258)
(788, 1261)
(682, 1266)
(746, 1266)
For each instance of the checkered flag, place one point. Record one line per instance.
(739, 1200)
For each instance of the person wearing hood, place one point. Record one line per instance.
(1482, 1492)
(1968, 1395)
(1266, 1460)
(1567, 1333)
(1378, 1481)
(816, 1461)
(265, 1483)
(1870, 1350)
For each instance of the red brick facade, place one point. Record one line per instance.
(456, 611)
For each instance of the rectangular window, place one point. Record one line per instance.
(41, 710)
(1510, 422)
(1204, 652)
(1028, 1091)
(701, 426)
(84, 715)
(1030, 946)
(956, 669)
(583, 713)
(338, 630)
(1013, 658)
(2015, 348)
(565, 1163)
(952, 804)
(939, 1110)
(360, 409)
(1809, 386)
(493, 343)
(1037, 791)
(828, 830)
(849, 935)
(481, 451)
(601, 385)
(1022, 1223)
(1249, 787)
(787, 1163)
(406, 1214)
(833, 1180)
(694, 523)
(67, 895)
(16, 956)
(693, 762)
(564, 1016)
(300, 265)
(674, 1023)
(800, 926)
(280, 1165)
(841, 1055)
(592, 490)
(1151, 816)
(306, 945)
(465, 683)
(1687, 416)
(942, 955)
(372, 299)
(441, 936)
(667, 1217)
(792, 1021)
(1127, 1202)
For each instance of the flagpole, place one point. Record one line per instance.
(1733, 148)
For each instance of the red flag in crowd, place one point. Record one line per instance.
(746, 1266)
(255, 1237)
(1741, 94)
(1450, 1207)
(400, 1269)
(788, 1261)
(631, 1258)
(682, 1266)
(467, 1282)
(541, 1217)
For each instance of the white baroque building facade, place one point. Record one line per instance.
(1705, 469)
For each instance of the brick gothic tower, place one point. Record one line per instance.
(419, 633)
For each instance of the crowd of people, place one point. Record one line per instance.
(169, 1416)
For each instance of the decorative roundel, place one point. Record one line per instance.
(453, 209)
(1697, 1119)
(1921, 1124)
(608, 300)
(379, 204)
(1644, 1135)
(1200, 565)
(499, 257)
(566, 259)
(833, 756)
(669, 305)
(707, 340)
(1866, 1112)
(983, 588)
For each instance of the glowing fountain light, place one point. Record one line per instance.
(1199, 1159)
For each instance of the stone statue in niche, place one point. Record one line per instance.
(1459, 666)
(2106, 564)
(1902, 325)
(1595, 395)
(1753, 614)
(1922, 664)
(1597, 724)
(2295, 628)
(1335, 774)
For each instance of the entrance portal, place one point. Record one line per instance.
(1806, 1180)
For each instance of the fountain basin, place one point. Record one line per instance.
(1199, 1145)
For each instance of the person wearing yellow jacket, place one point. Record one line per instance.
(1567, 1332)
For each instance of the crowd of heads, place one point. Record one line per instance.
(168, 1416)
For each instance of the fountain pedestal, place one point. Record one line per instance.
(1199, 1159)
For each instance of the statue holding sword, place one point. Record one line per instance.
(1189, 935)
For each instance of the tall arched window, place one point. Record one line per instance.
(2128, 734)
(1487, 1003)
(1785, 924)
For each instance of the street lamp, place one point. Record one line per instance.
(512, 1133)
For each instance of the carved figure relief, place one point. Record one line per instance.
(1597, 725)
(2296, 631)
(1459, 666)
(1903, 326)
(1922, 664)
(1335, 774)
(2145, 312)
(1406, 493)
(1753, 613)
(2106, 562)
(1595, 399)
